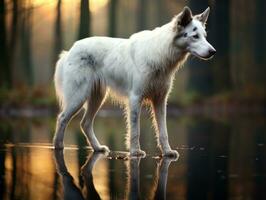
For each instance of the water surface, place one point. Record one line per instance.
(219, 159)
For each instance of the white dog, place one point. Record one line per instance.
(135, 70)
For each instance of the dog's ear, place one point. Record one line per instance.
(203, 17)
(185, 17)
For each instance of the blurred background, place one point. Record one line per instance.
(33, 33)
(216, 114)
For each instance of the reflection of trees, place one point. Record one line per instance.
(5, 135)
(247, 158)
(14, 173)
(2, 173)
(19, 158)
(260, 162)
(84, 25)
(219, 148)
(198, 165)
(208, 165)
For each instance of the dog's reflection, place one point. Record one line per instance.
(161, 176)
(158, 190)
(71, 190)
(133, 190)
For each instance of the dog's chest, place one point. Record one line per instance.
(157, 85)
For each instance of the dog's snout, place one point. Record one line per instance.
(212, 52)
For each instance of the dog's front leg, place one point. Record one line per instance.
(159, 109)
(134, 126)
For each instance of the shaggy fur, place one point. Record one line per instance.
(135, 70)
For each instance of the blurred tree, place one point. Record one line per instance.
(260, 42)
(84, 25)
(14, 31)
(112, 18)
(142, 11)
(162, 12)
(26, 36)
(199, 72)
(242, 44)
(5, 76)
(219, 22)
(58, 36)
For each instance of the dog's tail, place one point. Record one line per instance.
(58, 77)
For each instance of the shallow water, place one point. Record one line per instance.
(219, 159)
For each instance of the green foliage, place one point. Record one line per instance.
(248, 94)
(191, 97)
(27, 96)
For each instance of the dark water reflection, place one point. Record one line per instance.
(219, 159)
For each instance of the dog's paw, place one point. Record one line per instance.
(137, 153)
(171, 154)
(102, 148)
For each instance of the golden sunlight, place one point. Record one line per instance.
(41, 2)
(96, 5)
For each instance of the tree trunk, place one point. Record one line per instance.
(199, 72)
(6, 80)
(220, 38)
(260, 43)
(112, 18)
(26, 35)
(142, 10)
(84, 25)
(58, 43)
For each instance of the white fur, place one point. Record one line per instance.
(133, 70)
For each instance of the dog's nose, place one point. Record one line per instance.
(212, 52)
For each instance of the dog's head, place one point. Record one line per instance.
(191, 34)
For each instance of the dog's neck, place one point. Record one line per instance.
(173, 58)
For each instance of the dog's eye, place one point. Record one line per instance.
(196, 36)
(185, 35)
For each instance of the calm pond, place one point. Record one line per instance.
(223, 158)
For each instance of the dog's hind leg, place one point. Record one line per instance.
(73, 101)
(62, 121)
(94, 102)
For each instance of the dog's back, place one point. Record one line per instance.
(139, 68)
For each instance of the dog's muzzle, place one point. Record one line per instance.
(211, 52)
